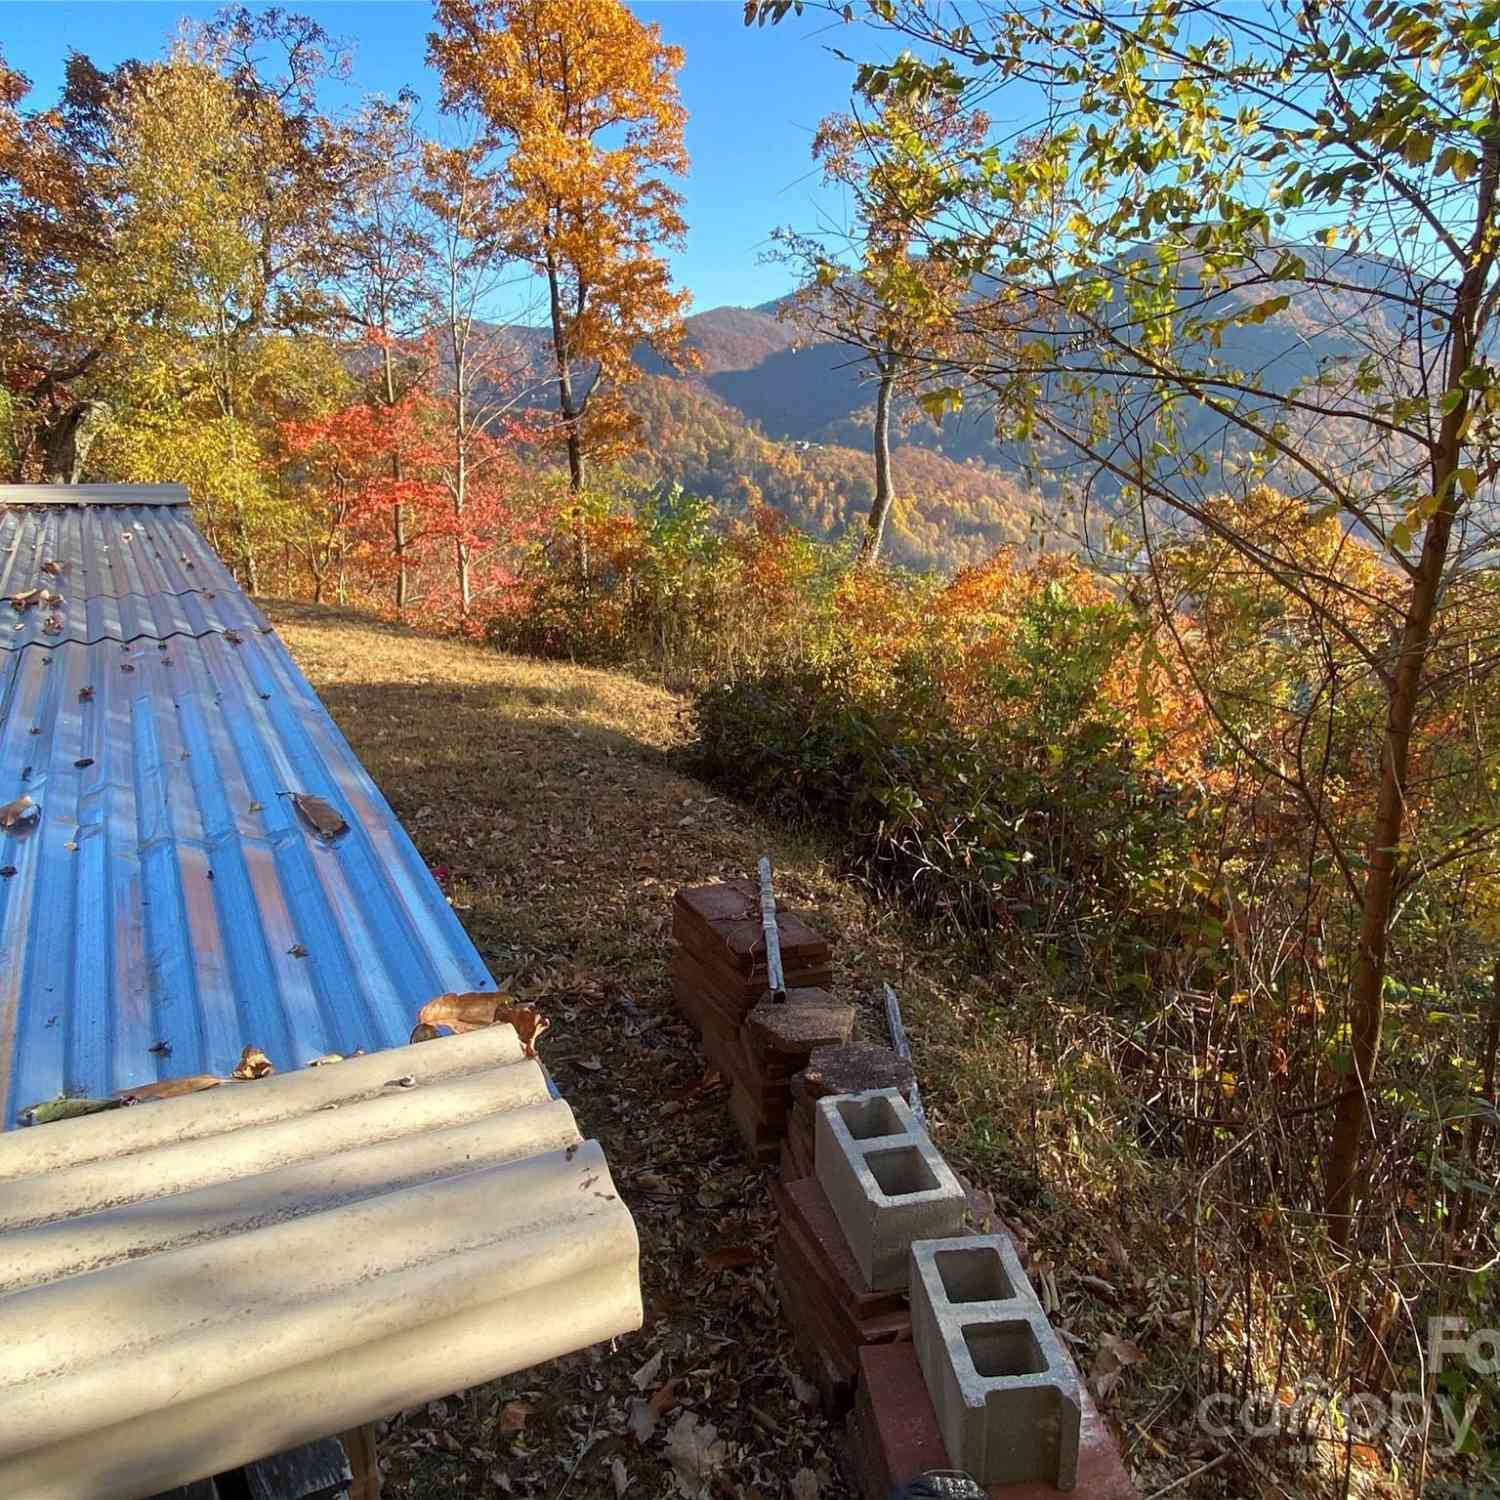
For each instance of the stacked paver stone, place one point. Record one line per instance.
(719, 982)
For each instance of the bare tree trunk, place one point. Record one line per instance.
(398, 510)
(1345, 1179)
(880, 509)
(570, 415)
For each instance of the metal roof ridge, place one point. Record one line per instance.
(93, 494)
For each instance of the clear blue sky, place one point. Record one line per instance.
(754, 97)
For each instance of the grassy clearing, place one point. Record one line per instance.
(546, 797)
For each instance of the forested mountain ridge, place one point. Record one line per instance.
(768, 413)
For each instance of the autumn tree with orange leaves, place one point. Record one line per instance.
(582, 98)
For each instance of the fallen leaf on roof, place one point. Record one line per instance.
(49, 597)
(405, 1081)
(54, 569)
(25, 600)
(696, 1453)
(531, 1025)
(253, 1063)
(65, 1109)
(85, 694)
(6, 871)
(322, 816)
(21, 810)
(297, 951)
(233, 637)
(160, 1049)
(463, 1012)
(326, 1059)
(53, 624)
(423, 1032)
(169, 1088)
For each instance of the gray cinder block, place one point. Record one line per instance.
(1004, 1390)
(885, 1179)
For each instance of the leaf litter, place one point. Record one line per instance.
(477, 753)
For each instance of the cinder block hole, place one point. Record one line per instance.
(900, 1171)
(868, 1118)
(973, 1275)
(1004, 1349)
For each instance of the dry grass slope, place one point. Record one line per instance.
(546, 798)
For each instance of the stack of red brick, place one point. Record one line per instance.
(719, 981)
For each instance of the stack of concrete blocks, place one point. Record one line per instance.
(719, 982)
(852, 1069)
(999, 1396)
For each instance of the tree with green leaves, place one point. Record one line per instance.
(865, 288)
(1250, 246)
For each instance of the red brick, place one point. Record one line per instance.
(730, 911)
(834, 1377)
(806, 1208)
(893, 1436)
(852, 1327)
(762, 1139)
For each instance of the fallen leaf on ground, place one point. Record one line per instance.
(253, 1063)
(169, 1088)
(730, 1258)
(696, 1453)
(618, 1476)
(21, 810)
(805, 1485)
(641, 1421)
(513, 1416)
(321, 815)
(645, 1377)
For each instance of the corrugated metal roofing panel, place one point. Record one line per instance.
(168, 883)
(168, 891)
(123, 572)
(193, 1284)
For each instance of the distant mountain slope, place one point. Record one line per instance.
(949, 514)
(821, 392)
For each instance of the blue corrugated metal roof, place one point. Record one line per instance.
(123, 571)
(169, 891)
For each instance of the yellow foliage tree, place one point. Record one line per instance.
(582, 97)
